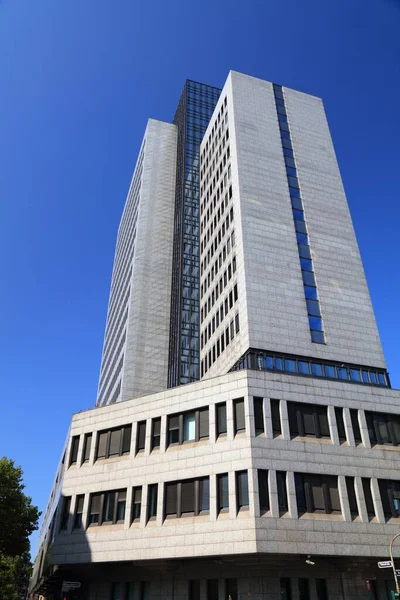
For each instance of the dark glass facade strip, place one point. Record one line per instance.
(303, 244)
(193, 114)
(291, 364)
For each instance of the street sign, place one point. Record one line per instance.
(385, 564)
(67, 586)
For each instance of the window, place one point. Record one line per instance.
(74, 450)
(78, 511)
(286, 590)
(222, 492)
(282, 492)
(191, 426)
(107, 507)
(317, 493)
(390, 496)
(355, 425)
(190, 496)
(114, 442)
(66, 505)
(366, 484)
(276, 417)
(242, 490)
(383, 428)
(238, 415)
(116, 591)
(263, 491)
(231, 589)
(141, 436)
(212, 589)
(194, 589)
(308, 420)
(221, 418)
(322, 593)
(258, 415)
(155, 433)
(136, 503)
(86, 447)
(152, 501)
(340, 424)
(351, 494)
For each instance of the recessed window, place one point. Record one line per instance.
(221, 418)
(222, 491)
(340, 424)
(282, 492)
(351, 494)
(136, 503)
(188, 497)
(355, 425)
(258, 415)
(66, 505)
(383, 428)
(286, 589)
(78, 511)
(74, 450)
(155, 433)
(152, 495)
(276, 417)
(317, 493)
(238, 416)
(114, 442)
(242, 490)
(369, 503)
(390, 496)
(191, 426)
(263, 490)
(87, 447)
(107, 507)
(308, 420)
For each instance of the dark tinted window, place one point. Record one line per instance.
(340, 424)
(141, 436)
(74, 450)
(351, 494)
(263, 491)
(221, 418)
(222, 491)
(366, 483)
(356, 426)
(282, 491)
(276, 417)
(258, 415)
(242, 490)
(238, 414)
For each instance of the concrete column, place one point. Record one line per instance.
(362, 509)
(143, 511)
(160, 504)
(249, 416)
(283, 409)
(128, 507)
(163, 434)
(147, 443)
(364, 429)
(291, 492)
(212, 424)
(344, 499)
(376, 497)
(92, 455)
(273, 494)
(232, 495)
(229, 420)
(213, 498)
(254, 503)
(333, 426)
(85, 514)
(267, 419)
(80, 450)
(348, 427)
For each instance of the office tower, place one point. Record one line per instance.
(275, 476)
(135, 350)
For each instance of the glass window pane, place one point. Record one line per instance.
(187, 496)
(290, 365)
(355, 375)
(313, 308)
(330, 371)
(297, 203)
(278, 364)
(304, 367)
(342, 373)
(306, 264)
(288, 152)
(315, 323)
(115, 442)
(101, 447)
(372, 376)
(223, 491)
(317, 337)
(189, 427)
(294, 192)
(316, 369)
(300, 226)
(308, 278)
(290, 162)
(302, 238)
(310, 292)
(204, 491)
(304, 251)
(381, 379)
(293, 181)
(298, 214)
(291, 171)
(365, 377)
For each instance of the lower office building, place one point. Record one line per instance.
(276, 475)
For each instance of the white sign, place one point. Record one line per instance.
(385, 564)
(70, 585)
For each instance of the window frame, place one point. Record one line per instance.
(103, 498)
(177, 487)
(199, 420)
(108, 433)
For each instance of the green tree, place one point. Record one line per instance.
(18, 519)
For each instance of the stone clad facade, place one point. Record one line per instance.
(276, 476)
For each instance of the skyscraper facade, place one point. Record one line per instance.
(193, 114)
(275, 476)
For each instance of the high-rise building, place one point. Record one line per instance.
(274, 476)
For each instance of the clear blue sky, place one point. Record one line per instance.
(79, 78)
